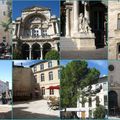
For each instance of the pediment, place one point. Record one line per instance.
(35, 8)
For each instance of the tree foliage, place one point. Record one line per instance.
(99, 112)
(17, 51)
(74, 77)
(52, 55)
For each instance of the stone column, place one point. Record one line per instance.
(75, 17)
(30, 49)
(41, 53)
(18, 32)
(86, 13)
(67, 23)
(57, 27)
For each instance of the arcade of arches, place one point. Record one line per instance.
(35, 51)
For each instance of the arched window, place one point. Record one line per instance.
(118, 23)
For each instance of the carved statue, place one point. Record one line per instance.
(83, 24)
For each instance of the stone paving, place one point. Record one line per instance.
(5, 111)
(100, 53)
(34, 109)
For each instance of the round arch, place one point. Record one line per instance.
(113, 102)
(34, 15)
(25, 51)
(36, 51)
(46, 47)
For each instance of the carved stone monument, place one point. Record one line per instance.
(82, 36)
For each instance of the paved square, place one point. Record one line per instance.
(34, 109)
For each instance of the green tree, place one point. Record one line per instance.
(74, 77)
(17, 51)
(99, 112)
(52, 55)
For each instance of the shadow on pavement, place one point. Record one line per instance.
(18, 113)
(6, 115)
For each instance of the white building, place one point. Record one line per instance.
(38, 30)
(4, 86)
(87, 108)
(47, 74)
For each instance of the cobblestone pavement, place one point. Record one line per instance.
(100, 53)
(34, 109)
(5, 111)
(113, 118)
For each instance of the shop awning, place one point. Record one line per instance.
(54, 87)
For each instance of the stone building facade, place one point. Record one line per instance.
(24, 85)
(114, 88)
(4, 86)
(47, 74)
(85, 25)
(5, 36)
(114, 29)
(38, 30)
(86, 109)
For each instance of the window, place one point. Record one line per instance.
(118, 23)
(90, 113)
(35, 32)
(105, 86)
(119, 49)
(97, 100)
(105, 100)
(42, 77)
(35, 68)
(51, 91)
(43, 90)
(4, 13)
(83, 102)
(54, 24)
(111, 68)
(44, 32)
(4, 39)
(50, 75)
(90, 102)
(3, 2)
(58, 74)
(49, 64)
(35, 78)
(41, 66)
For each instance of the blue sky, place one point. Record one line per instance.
(19, 5)
(101, 65)
(6, 71)
(25, 63)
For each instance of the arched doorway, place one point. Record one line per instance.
(36, 51)
(98, 18)
(113, 103)
(46, 48)
(25, 51)
(118, 51)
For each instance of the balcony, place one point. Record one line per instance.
(38, 37)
